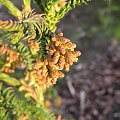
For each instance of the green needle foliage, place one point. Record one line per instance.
(30, 45)
(13, 107)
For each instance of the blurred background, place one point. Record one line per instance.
(91, 89)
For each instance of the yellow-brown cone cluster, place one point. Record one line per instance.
(23, 117)
(61, 52)
(47, 73)
(61, 56)
(12, 59)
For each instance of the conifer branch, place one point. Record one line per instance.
(13, 106)
(32, 46)
(9, 80)
(26, 7)
(10, 25)
(71, 4)
(12, 8)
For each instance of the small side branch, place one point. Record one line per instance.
(71, 4)
(27, 5)
(9, 80)
(12, 8)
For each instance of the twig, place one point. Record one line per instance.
(82, 100)
(70, 86)
(82, 97)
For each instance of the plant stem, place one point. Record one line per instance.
(9, 80)
(12, 8)
(27, 5)
(40, 94)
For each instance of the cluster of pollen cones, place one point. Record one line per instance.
(61, 56)
(11, 59)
